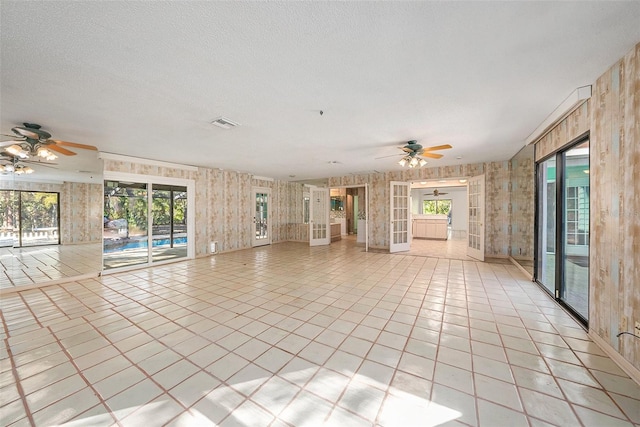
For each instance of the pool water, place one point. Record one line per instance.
(140, 244)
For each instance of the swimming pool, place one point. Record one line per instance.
(140, 244)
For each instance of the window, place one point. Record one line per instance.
(305, 208)
(439, 207)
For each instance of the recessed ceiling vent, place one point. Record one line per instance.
(224, 123)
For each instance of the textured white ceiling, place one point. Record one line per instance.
(146, 78)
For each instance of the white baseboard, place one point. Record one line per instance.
(623, 363)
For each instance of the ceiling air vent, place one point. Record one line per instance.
(224, 123)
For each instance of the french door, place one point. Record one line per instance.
(319, 226)
(261, 217)
(475, 235)
(562, 265)
(400, 211)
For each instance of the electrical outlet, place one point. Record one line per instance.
(637, 328)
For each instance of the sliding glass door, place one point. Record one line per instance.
(563, 227)
(169, 226)
(125, 224)
(146, 222)
(547, 224)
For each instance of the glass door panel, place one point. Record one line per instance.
(547, 224)
(575, 254)
(261, 226)
(475, 233)
(169, 229)
(125, 224)
(319, 228)
(400, 216)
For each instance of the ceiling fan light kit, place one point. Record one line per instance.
(16, 169)
(412, 151)
(17, 151)
(33, 141)
(46, 154)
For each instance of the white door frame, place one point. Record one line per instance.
(475, 227)
(319, 223)
(400, 216)
(366, 213)
(255, 239)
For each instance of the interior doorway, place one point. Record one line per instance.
(440, 218)
(261, 233)
(349, 209)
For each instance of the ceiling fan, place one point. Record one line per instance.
(31, 140)
(413, 153)
(14, 164)
(437, 193)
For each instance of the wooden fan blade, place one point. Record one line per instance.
(392, 155)
(431, 155)
(61, 150)
(74, 144)
(406, 150)
(438, 147)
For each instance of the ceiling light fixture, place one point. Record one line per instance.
(412, 161)
(46, 154)
(18, 151)
(20, 169)
(462, 181)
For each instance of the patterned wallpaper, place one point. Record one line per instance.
(570, 128)
(81, 213)
(497, 214)
(224, 209)
(522, 211)
(614, 257)
(497, 190)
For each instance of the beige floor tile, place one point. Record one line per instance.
(491, 414)
(497, 391)
(590, 397)
(547, 408)
(347, 338)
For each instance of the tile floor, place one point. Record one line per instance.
(289, 335)
(452, 248)
(37, 264)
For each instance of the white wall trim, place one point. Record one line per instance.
(143, 161)
(623, 363)
(566, 107)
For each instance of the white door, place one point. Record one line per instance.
(400, 211)
(319, 227)
(475, 235)
(261, 234)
